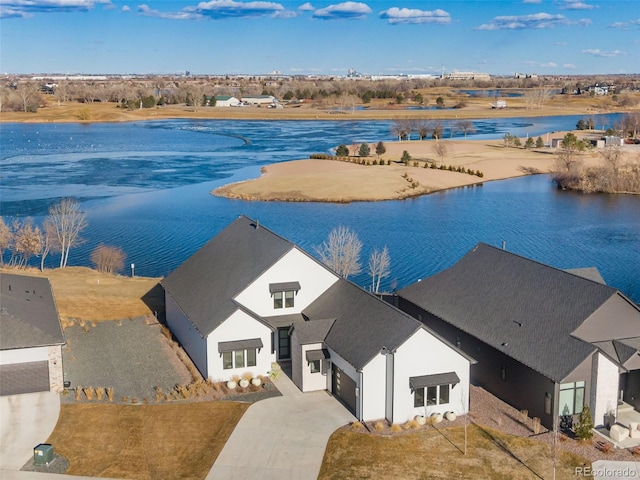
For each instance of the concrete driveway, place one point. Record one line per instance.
(283, 437)
(25, 421)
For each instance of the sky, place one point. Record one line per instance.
(376, 37)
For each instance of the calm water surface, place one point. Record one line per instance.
(145, 187)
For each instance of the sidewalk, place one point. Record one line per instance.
(282, 437)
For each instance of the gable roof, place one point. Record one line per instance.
(523, 308)
(363, 323)
(206, 283)
(28, 313)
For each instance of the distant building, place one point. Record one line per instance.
(259, 99)
(499, 104)
(468, 76)
(226, 101)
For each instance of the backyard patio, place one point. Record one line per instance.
(626, 431)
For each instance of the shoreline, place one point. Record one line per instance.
(73, 112)
(339, 181)
(335, 181)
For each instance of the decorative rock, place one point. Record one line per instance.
(256, 382)
(436, 417)
(231, 385)
(420, 419)
(451, 416)
(244, 383)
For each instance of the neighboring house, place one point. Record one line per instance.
(31, 338)
(546, 340)
(259, 99)
(226, 101)
(249, 298)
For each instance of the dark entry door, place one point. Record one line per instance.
(344, 388)
(284, 344)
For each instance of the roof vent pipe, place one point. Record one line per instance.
(504, 244)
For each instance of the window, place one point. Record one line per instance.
(288, 299)
(236, 358)
(444, 394)
(284, 299)
(571, 400)
(251, 357)
(227, 360)
(435, 395)
(432, 395)
(315, 366)
(277, 300)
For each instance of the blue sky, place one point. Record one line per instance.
(557, 37)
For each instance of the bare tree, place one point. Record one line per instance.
(68, 221)
(30, 97)
(465, 126)
(441, 150)
(6, 237)
(108, 259)
(379, 267)
(27, 242)
(341, 251)
(422, 128)
(50, 240)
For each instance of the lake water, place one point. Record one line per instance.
(145, 187)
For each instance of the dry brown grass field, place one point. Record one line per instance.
(86, 294)
(141, 442)
(52, 111)
(437, 454)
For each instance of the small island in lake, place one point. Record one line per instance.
(387, 178)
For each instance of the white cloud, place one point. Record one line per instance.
(126, 8)
(576, 5)
(27, 8)
(532, 1)
(306, 7)
(596, 52)
(534, 21)
(397, 16)
(218, 9)
(625, 25)
(183, 15)
(345, 10)
(570, 66)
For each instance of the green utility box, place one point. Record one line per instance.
(43, 454)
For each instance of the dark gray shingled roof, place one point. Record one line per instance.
(364, 323)
(313, 332)
(521, 307)
(204, 285)
(28, 313)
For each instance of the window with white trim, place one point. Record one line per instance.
(284, 299)
(431, 396)
(239, 358)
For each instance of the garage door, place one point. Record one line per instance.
(344, 388)
(29, 377)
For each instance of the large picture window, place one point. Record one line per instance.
(435, 395)
(239, 359)
(571, 399)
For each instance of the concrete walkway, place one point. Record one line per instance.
(282, 437)
(612, 470)
(25, 421)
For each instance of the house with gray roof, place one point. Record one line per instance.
(31, 338)
(546, 340)
(249, 298)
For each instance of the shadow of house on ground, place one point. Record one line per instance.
(154, 299)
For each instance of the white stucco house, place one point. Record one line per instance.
(249, 298)
(31, 338)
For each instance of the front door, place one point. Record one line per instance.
(284, 344)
